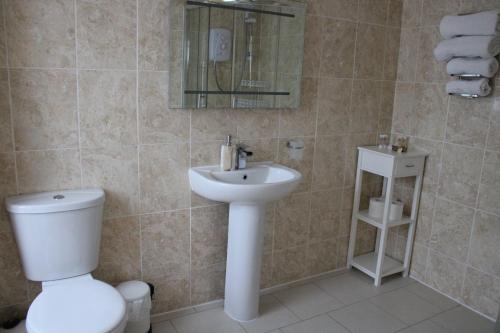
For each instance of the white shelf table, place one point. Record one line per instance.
(390, 165)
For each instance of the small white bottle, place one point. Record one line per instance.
(226, 155)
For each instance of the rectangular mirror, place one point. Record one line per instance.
(236, 54)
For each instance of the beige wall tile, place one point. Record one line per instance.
(394, 13)
(481, 292)
(342, 246)
(44, 108)
(325, 215)
(14, 311)
(485, 244)
(391, 49)
(165, 244)
(14, 286)
(163, 177)
(322, 256)
(428, 68)
(364, 113)
(41, 33)
(304, 166)
(209, 235)
(407, 57)
(207, 283)
(334, 97)
(289, 265)
(451, 229)
(460, 173)
(48, 170)
(373, 11)
(329, 162)
(3, 46)
(120, 258)
(370, 48)
(432, 162)
(404, 102)
(257, 124)
(433, 11)
(171, 293)
(489, 189)
(351, 157)
(158, 123)
(467, 6)
(107, 104)
(468, 121)
(116, 171)
(153, 34)
(337, 55)
(444, 274)
(292, 221)
(301, 121)
(8, 186)
(411, 13)
(346, 9)
(425, 216)
(107, 34)
(312, 46)
(419, 261)
(493, 141)
(430, 111)
(386, 107)
(5, 120)
(212, 124)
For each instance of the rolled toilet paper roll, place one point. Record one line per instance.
(376, 209)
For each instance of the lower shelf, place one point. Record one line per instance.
(367, 263)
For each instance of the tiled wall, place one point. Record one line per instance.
(457, 243)
(83, 102)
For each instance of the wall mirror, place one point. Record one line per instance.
(236, 54)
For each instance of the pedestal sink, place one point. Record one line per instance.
(247, 192)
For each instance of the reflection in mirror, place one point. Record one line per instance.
(239, 54)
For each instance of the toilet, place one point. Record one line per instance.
(58, 235)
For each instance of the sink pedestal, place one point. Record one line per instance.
(244, 256)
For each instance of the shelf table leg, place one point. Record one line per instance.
(384, 231)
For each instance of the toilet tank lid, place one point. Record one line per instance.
(57, 201)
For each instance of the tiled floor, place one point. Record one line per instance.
(346, 303)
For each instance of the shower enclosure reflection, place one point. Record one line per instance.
(239, 54)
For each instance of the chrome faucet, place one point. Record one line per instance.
(242, 155)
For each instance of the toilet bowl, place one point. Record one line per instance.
(58, 235)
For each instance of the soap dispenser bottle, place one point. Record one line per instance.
(226, 155)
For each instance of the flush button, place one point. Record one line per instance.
(58, 197)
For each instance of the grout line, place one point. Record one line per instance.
(138, 137)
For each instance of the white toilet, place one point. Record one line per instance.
(59, 235)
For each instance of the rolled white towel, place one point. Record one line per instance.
(478, 24)
(479, 87)
(468, 46)
(485, 67)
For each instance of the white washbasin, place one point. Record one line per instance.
(259, 182)
(247, 192)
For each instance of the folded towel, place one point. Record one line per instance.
(479, 24)
(485, 67)
(469, 47)
(479, 87)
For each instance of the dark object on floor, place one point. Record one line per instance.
(11, 323)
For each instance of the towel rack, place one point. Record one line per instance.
(468, 76)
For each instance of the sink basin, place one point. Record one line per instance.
(247, 192)
(260, 182)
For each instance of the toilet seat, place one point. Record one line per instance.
(81, 306)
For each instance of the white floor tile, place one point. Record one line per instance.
(210, 321)
(348, 288)
(163, 327)
(273, 315)
(308, 300)
(407, 307)
(365, 317)
(389, 283)
(462, 320)
(320, 324)
(424, 327)
(442, 302)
